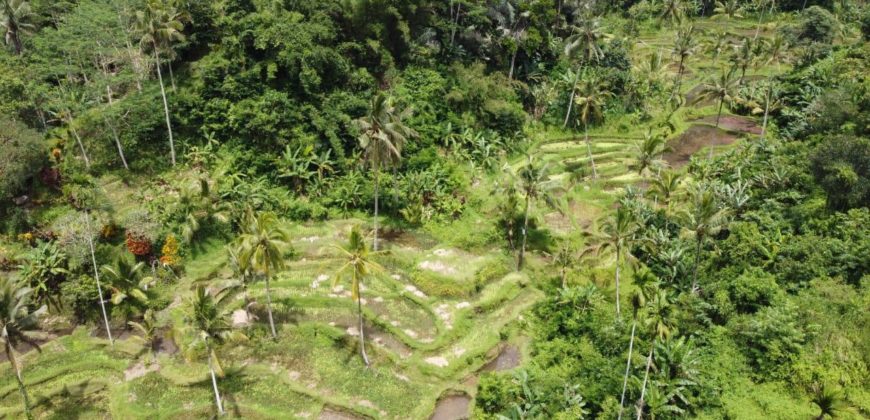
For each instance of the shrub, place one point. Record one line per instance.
(21, 158)
(841, 166)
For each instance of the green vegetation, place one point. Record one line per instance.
(521, 209)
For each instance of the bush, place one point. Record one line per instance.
(841, 166)
(21, 158)
(753, 290)
(80, 295)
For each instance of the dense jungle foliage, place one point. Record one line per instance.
(491, 209)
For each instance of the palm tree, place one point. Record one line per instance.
(383, 135)
(583, 43)
(147, 330)
(673, 11)
(209, 317)
(744, 55)
(685, 45)
(665, 186)
(127, 283)
(14, 20)
(159, 25)
(660, 321)
(261, 247)
(771, 101)
(704, 218)
(829, 400)
(649, 153)
(619, 232)
(511, 26)
(199, 205)
(722, 89)
(358, 265)
(18, 325)
(591, 97)
(728, 9)
(567, 257)
(533, 180)
(63, 111)
(638, 301)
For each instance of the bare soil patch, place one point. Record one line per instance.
(452, 407)
(734, 123)
(508, 358)
(697, 137)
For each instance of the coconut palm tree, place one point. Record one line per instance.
(159, 25)
(745, 54)
(664, 186)
(512, 26)
(209, 317)
(358, 265)
(383, 134)
(685, 46)
(591, 96)
(198, 205)
(771, 101)
(18, 324)
(127, 284)
(721, 89)
(704, 218)
(661, 323)
(673, 11)
(15, 18)
(638, 301)
(261, 248)
(63, 105)
(567, 257)
(147, 330)
(533, 180)
(584, 43)
(728, 10)
(649, 152)
(619, 233)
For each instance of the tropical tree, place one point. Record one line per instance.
(567, 257)
(198, 205)
(591, 96)
(638, 301)
(649, 153)
(18, 324)
(673, 11)
(44, 268)
(147, 330)
(383, 134)
(15, 19)
(128, 285)
(830, 401)
(661, 323)
(728, 10)
(209, 317)
(512, 26)
(619, 233)
(159, 25)
(584, 43)
(717, 43)
(358, 266)
(63, 105)
(722, 89)
(704, 218)
(664, 186)
(685, 46)
(745, 55)
(533, 181)
(261, 248)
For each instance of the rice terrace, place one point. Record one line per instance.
(419, 209)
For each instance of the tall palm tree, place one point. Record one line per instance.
(665, 186)
(15, 18)
(159, 25)
(619, 233)
(673, 11)
(685, 46)
(358, 265)
(584, 43)
(638, 301)
(728, 10)
(209, 317)
(772, 100)
(261, 248)
(533, 180)
(129, 287)
(64, 104)
(18, 324)
(745, 54)
(649, 152)
(512, 26)
(591, 96)
(721, 89)
(383, 135)
(661, 323)
(704, 218)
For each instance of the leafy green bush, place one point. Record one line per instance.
(21, 158)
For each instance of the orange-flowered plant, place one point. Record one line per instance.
(170, 251)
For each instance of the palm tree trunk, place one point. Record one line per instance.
(377, 190)
(217, 394)
(563, 273)
(719, 114)
(13, 35)
(766, 111)
(10, 354)
(589, 149)
(679, 78)
(117, 143)
(165, 105)
(525, 233)
(627, 369)
(513, 63)
(269, 308)
(618, 255)
(645, 378)
(171, 77)
(81, 145)
(362, 334)
(571, 99)
(697, 261)
(97, 278)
